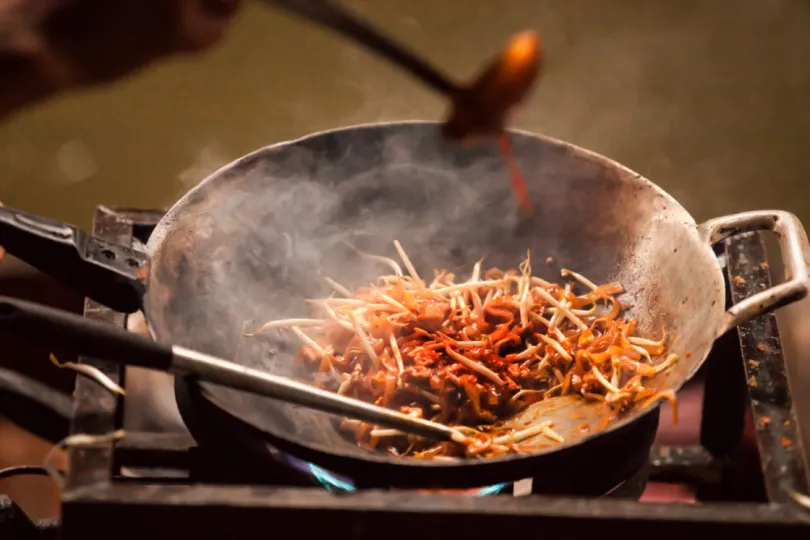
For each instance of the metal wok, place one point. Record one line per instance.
(246, 245)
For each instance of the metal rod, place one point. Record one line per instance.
(218, 371)
(329, 14)
(65, 330)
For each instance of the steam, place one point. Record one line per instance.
(262, 232)
(295, 208)
(207, 160)
(362, 196)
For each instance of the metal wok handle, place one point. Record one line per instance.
(105, 272)
(795, 256)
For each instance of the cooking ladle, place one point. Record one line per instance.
(479, 108)
(79, 335)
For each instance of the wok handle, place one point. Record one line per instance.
(105, 272)
(795, 256)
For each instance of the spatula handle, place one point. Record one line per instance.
(70, 332)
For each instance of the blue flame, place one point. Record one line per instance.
(336, 483)
(331, 481)
(493, 490)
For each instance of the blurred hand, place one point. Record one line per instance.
(52, 45)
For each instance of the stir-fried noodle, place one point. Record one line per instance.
(472, 353)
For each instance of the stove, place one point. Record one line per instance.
(742, 472)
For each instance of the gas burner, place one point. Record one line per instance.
(221, 467)
(161, 485)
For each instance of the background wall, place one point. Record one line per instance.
(708, 101)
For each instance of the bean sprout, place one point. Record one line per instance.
(472, 353)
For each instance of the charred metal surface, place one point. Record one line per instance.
(154, 450)
(34, 406)
(631, 489)
(679, 456)
(691, 464)
(161, 442)
(724, 397)
(13, 521)
(95, 410)
(780, 444)
(249, 512)
(16, 525)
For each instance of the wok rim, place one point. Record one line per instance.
(207, 390)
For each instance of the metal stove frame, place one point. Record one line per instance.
(96, 501)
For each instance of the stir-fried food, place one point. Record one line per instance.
(472, 353)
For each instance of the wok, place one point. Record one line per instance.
(245, 246)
